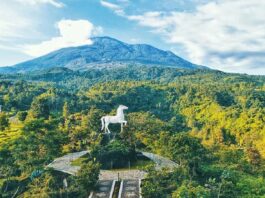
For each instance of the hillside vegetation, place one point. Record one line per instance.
(209, 122)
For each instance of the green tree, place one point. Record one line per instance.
(8, 169)
(65, 110)
(161, 184)
(4, 121)
(39, 143)
(40, 107)
(143, 129)
(186, 150)
(87, 177)
(91, 122)
(115, 154)
(191, 190)
(253, 156)
(44, 186)
(21, 115)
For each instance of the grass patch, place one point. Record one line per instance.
(139, 164)
(10, 134)
(79, 161)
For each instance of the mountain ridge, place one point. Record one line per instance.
(105, 52)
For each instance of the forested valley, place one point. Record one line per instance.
(209, 122)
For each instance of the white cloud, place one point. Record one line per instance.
(116, 8)
(72, 33)
(228, 35)
(20, 18)
(13, 21)
(23, 21)
(109, 5)
(55, 3)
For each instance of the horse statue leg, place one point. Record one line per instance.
(102, 123)
(123, 122)
(107, 127)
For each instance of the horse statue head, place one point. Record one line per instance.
(122, 107)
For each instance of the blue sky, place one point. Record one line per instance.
(223, 34)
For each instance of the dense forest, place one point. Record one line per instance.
(209, 122)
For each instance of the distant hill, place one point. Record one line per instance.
(105, 52)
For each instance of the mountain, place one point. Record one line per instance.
(105, 52)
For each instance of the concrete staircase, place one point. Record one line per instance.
(128, 189)
(104, 189)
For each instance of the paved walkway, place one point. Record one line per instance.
(63, 163)
(161, 162)
(121, 174)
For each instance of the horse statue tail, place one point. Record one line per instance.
(102, 123)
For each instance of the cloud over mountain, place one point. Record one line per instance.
(72, 33)
(226, 34)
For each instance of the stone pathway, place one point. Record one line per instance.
(121, 175)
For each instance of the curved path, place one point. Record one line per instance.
(130, 179)
(161, 162)
(63, 164)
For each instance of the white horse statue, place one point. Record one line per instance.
(118, 118)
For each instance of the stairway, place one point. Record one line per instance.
(104, 189)
(128, 189)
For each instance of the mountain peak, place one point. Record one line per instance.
(106, 39)
(103, 52)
